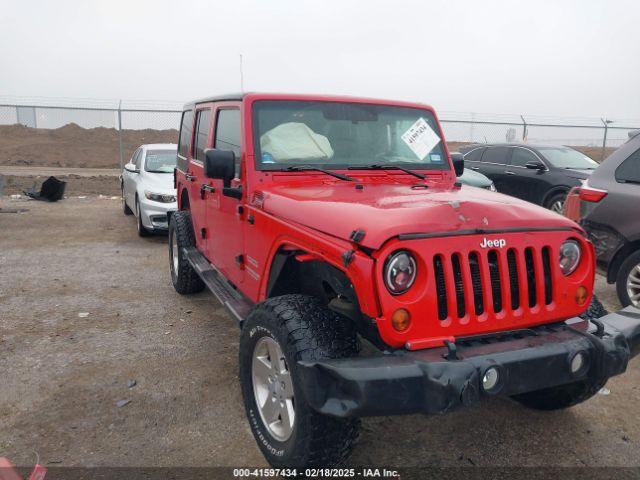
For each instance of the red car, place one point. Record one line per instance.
(327, 222)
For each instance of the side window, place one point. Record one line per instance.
(521, 156)
(474, 155)
(185, 133)
(228, 133)
(497, 155)
(202, 131)
(629, 170)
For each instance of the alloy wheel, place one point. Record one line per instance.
(273, 388)
(557, 206)
(633, 285)
(174, 253)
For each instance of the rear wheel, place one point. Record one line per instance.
(628, 281)
(556, 203)
(184, 278)
(277, 334)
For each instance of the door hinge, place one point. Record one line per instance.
(240, 260)
(203, 233)
(250, 219)
(240, 210)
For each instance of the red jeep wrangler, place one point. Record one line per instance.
(323, 223)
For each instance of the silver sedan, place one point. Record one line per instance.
(147, 186)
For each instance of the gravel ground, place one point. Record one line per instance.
(86, 306)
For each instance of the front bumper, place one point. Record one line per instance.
(426, 381)
(154, 214)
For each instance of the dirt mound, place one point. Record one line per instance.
(73, 146)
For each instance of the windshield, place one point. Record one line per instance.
(565, 157)
(335, 135)
(160, 161)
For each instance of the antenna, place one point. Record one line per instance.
(241, 76)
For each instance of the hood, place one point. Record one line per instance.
(475, 179)
(384, 211)
(158, 182)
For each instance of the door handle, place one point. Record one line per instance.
(206, 188)
(509, 173)
(189, 177)
(475, 168)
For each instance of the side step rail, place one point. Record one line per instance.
(234, 301)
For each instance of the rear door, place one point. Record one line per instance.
(224, 213)
(493, 164)
(196, 178)
(527, 184)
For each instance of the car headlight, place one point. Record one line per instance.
(400, 272)
(160, 197)
(570, 253)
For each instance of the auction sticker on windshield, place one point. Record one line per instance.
(420, 138)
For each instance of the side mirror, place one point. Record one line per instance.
(220, 164)
(535, 165)
(458, 163)
(130, 167)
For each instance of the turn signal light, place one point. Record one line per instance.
(400, 320)
(581, 295)
(590, 194)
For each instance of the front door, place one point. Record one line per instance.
(224, 213)
(525, 183)
(493, 163)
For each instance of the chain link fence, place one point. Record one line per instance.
(104, 133)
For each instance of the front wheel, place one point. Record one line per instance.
(556, 203)
(277, 334)
(142, 231)
(628, 281)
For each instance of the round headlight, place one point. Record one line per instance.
(400, 272)
(570, 254)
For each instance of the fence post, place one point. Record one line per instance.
(524, 129)
(120, 132)
(605, 122)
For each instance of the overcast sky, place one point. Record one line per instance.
(574, 57)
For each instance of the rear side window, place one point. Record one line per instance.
(202, 132)
(474, 155)
(228, 133)
(497, 155)
(185, 133)
(522, 156)
(629, 170)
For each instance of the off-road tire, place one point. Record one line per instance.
(307, 330)
(623, 273)
(142, 231)
(563, 396)
(185, 280)
(595, 310)
(125, 208)
(557, 197)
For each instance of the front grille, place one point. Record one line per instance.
(492, 280)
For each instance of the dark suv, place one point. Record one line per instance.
(608, 207)
(541, 174)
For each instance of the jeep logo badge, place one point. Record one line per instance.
(498, 243)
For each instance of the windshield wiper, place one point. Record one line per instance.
(386, 166)
(317, 169)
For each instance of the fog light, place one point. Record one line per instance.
(490, 379)
(581, 295)
(401, 320)
(578, 362)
